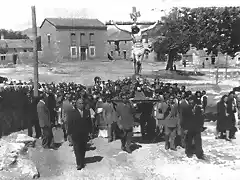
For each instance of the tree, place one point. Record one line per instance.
(3, 48)
(201, 27)
(10, 34)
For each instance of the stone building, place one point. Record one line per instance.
(73, 38)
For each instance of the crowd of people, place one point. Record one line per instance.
(118, 106)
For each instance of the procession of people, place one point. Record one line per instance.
(160, 109)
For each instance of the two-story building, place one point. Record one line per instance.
(120, 45)
(73, 38)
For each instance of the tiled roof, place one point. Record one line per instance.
(75, 23)
(119, 36)
(17, 43)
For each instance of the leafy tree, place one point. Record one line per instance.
(3, 48)
(203, 28)
(10, 34)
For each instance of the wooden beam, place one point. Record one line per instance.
(138, 101)
(35, 52)
(129, 23)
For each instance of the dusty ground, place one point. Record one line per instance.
(149, 162)
(106, 161)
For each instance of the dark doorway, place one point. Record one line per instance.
(83, 54)
(213, 60)
(124, 54)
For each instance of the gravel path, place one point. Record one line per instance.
(151, 161)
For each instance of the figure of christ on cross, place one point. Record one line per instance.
(136, 33)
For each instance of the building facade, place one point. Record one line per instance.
(66, 38)
(120, 45)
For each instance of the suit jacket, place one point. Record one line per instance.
(126, 112)
(43, 115)
(78, 124)
(186, 115)
(109, 113)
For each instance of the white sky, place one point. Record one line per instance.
(16, 14)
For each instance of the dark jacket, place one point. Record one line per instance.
(186, 115)
(77, 123)
(223, 122)
(126, 114)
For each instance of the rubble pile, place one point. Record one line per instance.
(13, 158)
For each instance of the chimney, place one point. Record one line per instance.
(2, 37)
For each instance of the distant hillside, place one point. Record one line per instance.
(28, 32)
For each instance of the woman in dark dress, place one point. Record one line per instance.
(224, 123)
(231, 110)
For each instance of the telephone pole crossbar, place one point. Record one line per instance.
(129, 23)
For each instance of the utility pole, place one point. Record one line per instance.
(35, 51)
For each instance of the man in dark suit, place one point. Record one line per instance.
(51, 104)
(45, 123)
(125, 122)
(192, 128)
(78, 119)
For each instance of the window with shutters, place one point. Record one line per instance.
(91, 39)
(92, 51)
(82, 35)
(73, 39)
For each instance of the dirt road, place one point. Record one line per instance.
(150, 161)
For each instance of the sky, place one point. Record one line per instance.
(18, 13)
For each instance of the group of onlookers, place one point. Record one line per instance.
(119, 106)
(227, 116)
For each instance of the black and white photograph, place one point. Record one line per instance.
(120, 90)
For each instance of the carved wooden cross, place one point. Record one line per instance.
(135, 14)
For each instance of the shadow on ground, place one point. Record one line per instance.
(156, 139)
(189, 73)
(170, 75)
(94, 159)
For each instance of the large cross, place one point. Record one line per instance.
(135, 14)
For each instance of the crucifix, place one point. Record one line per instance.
(135, 14)
(138, 48)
